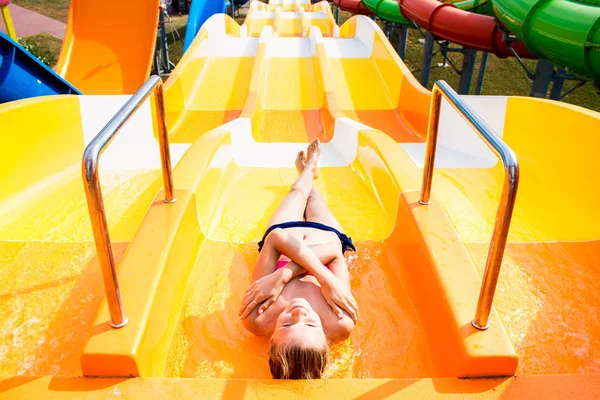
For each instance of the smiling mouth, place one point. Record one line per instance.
(298, 306)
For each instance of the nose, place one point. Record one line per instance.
(298, 313)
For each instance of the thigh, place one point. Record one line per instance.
(291, 209)
(325, 217)
(317, 211)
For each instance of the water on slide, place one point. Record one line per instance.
(388, 340)
(209, 337)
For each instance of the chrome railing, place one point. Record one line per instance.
(509, 191)
(93, 191)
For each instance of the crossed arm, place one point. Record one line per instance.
(268, 284)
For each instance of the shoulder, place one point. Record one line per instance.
(264, 324)
(254, 325)
(340, 330)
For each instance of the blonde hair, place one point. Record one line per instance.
(292, 361)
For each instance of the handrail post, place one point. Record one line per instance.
(93, 191)
(93, 194)
(163, 141)
(497, 246)
(431, 145)
(509, 191)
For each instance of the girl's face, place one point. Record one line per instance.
(299, 323)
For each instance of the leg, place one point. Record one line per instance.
(317, 211)
(291, 209)
(293, 205)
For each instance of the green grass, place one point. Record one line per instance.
(44, 46)
(57, 9)
(176, 46)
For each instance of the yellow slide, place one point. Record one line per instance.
(240, 105)
(109, 45)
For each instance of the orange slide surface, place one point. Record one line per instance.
(109, 45)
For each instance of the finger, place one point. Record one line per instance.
(266, 304)
(251, 306)
(355, 306)
(245, 302)
(336, 310)
(350, 309)
(352, 301)
(353, 312)
(353, 309)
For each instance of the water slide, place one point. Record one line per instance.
(107, 50)
(388, 9)
(565, 32)
(448, 21)
(200, 11)
(286, 76)
(353, 6)
(23, 75)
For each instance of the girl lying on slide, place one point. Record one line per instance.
(300, 296)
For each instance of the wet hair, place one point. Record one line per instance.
(293, 361)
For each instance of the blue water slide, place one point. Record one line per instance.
(200, 11)
(22, 75)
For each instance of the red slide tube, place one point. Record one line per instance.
(354, 6)
(462, 27)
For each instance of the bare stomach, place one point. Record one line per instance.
(313, 237)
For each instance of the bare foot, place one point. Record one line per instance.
(300, 162)
(312, 156)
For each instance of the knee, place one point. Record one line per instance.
(300, 190)
(315, 195)
(276, 238)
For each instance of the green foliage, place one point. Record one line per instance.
(44, 46)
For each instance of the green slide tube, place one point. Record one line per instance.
(388, 10)
(483, 7)
(566, 32)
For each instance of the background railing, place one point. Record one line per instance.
(93, 191)
(509, 191)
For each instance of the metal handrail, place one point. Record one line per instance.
(509, 191)
(93, 191)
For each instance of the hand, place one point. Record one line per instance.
(264, 290)
(339, 297)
